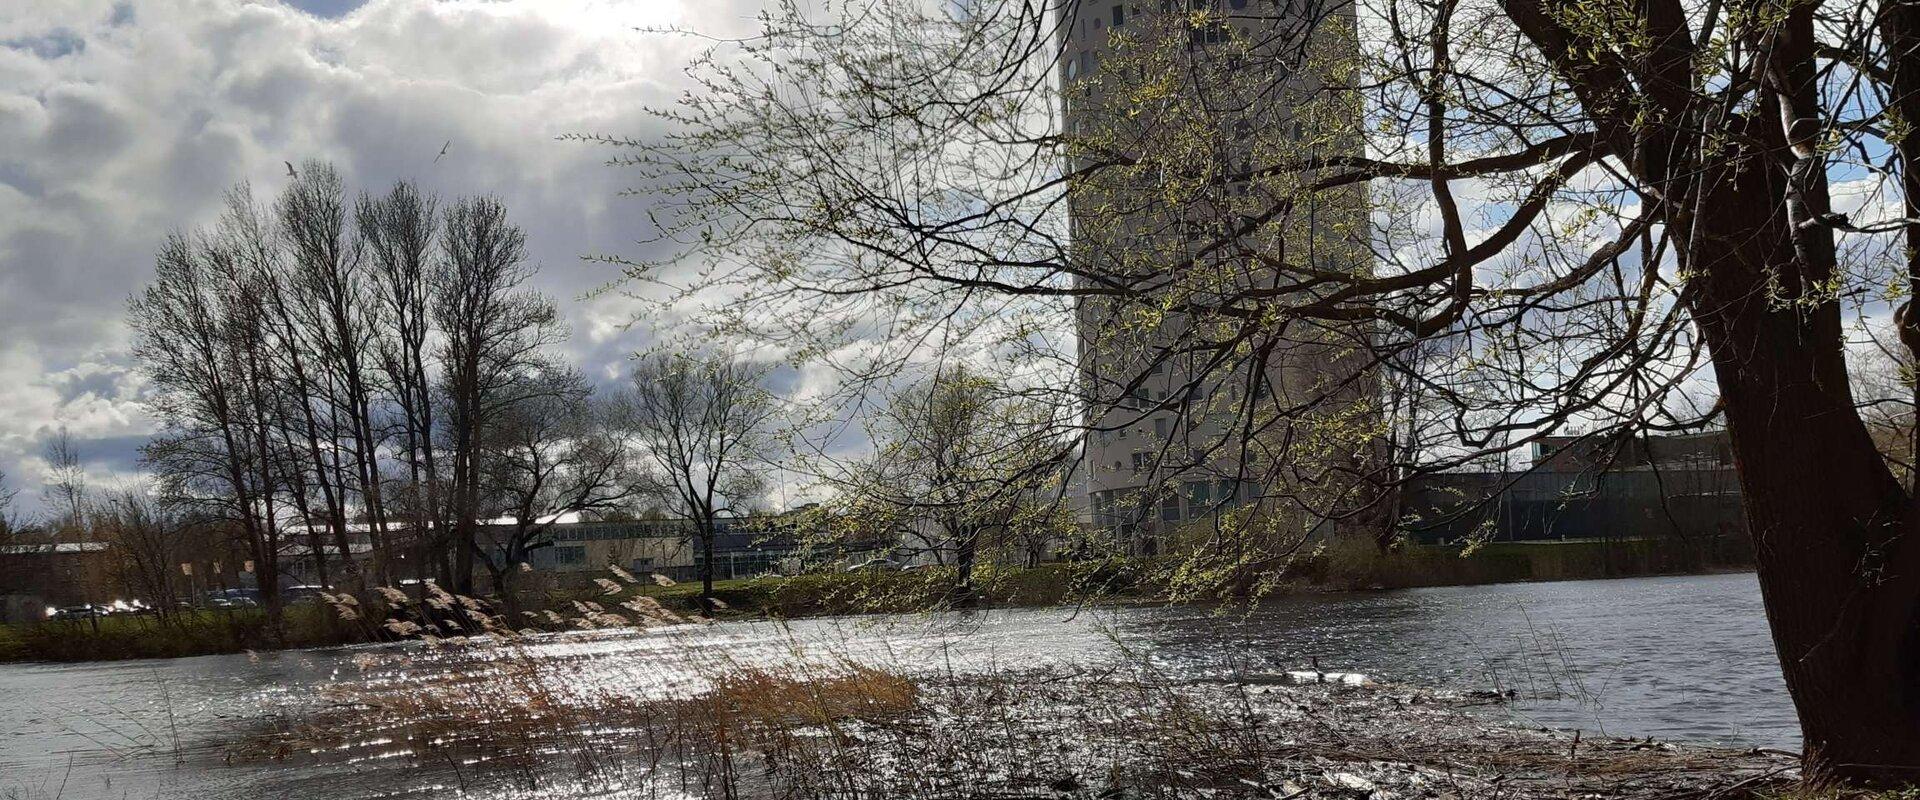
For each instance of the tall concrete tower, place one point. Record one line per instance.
(1173, 111)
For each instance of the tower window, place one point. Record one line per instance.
(1119, 16)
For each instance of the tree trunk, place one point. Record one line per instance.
(503, 584)
(1831, 525)
(966, 552)
(319, 557)
(465, 539)
(1900, 30)
(706, 566)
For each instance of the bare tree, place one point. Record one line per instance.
(957, 466)
(9, 523)
(308, 427)
(327, 277)
(201, 331)
(495, 333)
(400, 229)
(553, 455)
(320, 359)
(149, 542)
(702, 423)
(66, 483)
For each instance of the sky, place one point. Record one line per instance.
(122, 122)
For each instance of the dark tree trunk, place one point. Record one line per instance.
(1900, 30)
(1832, 527)
(706, 566)
(464, 542)
(966, 554)
(319, 557)
(1744, 194)
(267, 579)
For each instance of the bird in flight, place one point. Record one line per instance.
(443, 151)
(290, 172)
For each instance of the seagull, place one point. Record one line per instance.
(290, 172)
(443, 150)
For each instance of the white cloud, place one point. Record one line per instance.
(122, 122)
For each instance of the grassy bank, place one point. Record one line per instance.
(1360, 565)
(189, 633)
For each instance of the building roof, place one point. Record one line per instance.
(53, 548)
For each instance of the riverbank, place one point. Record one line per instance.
(211, 632)
(844, 729)
(1112, 581)
(1359, 565)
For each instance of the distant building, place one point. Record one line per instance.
(36, 575)
(1681, 486)
(1711, 451)
(1164, 445)
(744, 547)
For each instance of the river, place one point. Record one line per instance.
(1674, 657)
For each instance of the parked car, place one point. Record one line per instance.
(416, 588)
(134, 606)
(76, 612)
(233, 598)
(303, 593)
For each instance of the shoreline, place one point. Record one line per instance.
(227, 632)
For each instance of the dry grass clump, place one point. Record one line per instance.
(506, 712)
(762, 697)
(432, 614)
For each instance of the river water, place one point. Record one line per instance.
(1676, 657)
